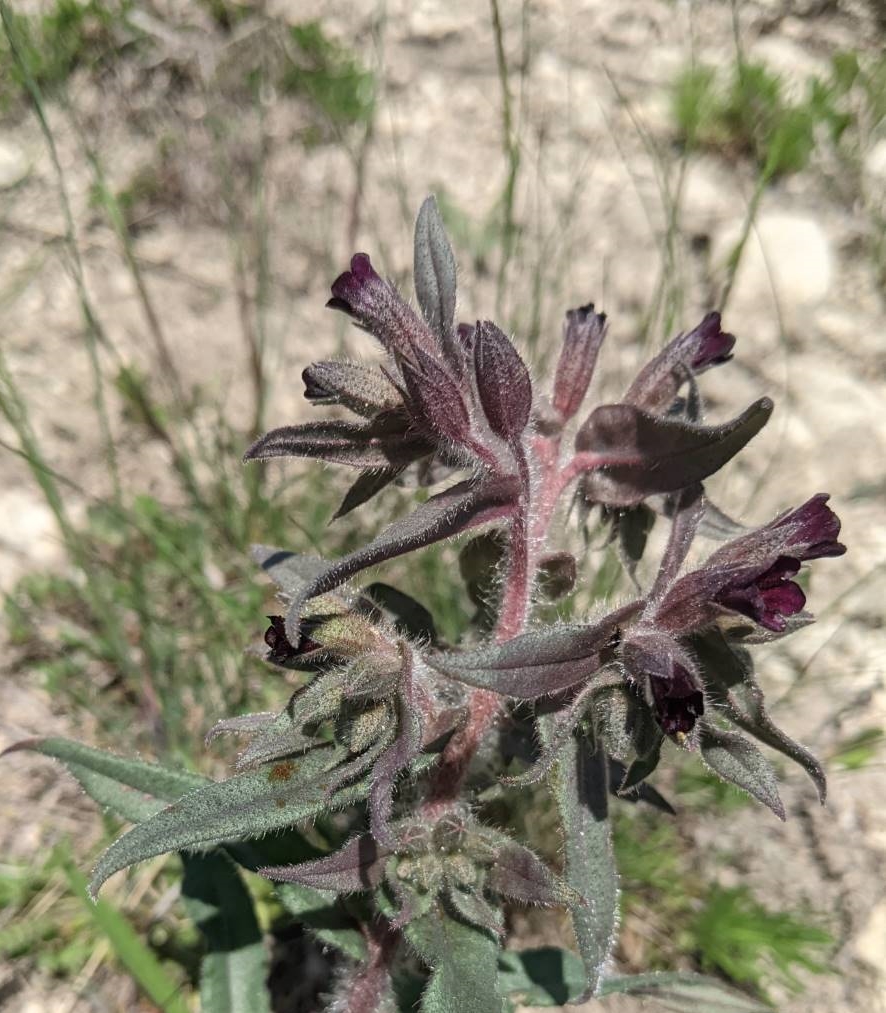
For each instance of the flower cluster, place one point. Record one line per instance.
(407, 737)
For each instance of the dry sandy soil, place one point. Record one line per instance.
(806, 307)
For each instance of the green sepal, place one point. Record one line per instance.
(235, 965)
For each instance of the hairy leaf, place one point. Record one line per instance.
(736, 760)
(460, 508)
(435, 398)
(396, 758)
(367, 485)
(366, 390)
(580, 788)
(471, 907)
(434, 270)
(464, 962)
(358, 865)
(519, 874)
(537, 663)
(729, 675)
(683, 992)
(248, 805)
(386, 442)
(235, 966)
(645, 454)
(503, 381)
(133, 789)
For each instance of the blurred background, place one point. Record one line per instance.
(179, 184)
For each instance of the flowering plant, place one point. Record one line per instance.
(408, 738)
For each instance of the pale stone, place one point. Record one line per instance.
(875, 162)
(870, 944)
(787, 256)
(14, 165)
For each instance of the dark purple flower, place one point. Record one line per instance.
(656, 386)
(379, 308)
(583, 333)
(658, 662)
(280, 649)
(770, 597)
(678, 702)
(751, 575)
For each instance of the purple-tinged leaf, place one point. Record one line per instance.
(386, 442)
(435, 401)
(657, 384)
(631, 528)
(579, 783)
(737, 761)
(688, 510)
(503, 381)
(369, 484)
(729, 676)
(645, 454)
(642, 766)
(475, 910)
(583, 333)
(358, 865)
(536, 664)
(460, 508)
(396, 758)
(434, 273)
(380, 309)
(519, 874)
(366, 390)
(561, 723)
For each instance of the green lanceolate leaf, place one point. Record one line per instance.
(729, 675)
(235, 966)
(133, 789)
(735, 759)
(579, 783)
(249, 805)
(138, 959)
(464, 963)
(684, 993)
(544, 977)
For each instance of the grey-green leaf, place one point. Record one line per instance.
(683, 992)
(735, 759)
(133, 789)
(234, 969)
(248, 805)
(464, 962)
(580, 786)
(434, 270)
